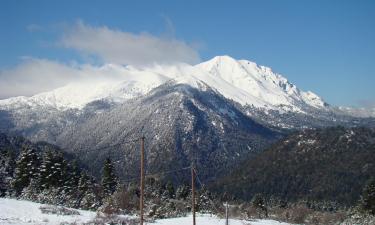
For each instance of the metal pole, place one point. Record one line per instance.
(193, 193)
(142, 178)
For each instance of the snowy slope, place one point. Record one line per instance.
(112, 82)
(240, 80)
(25, 212)
(262, 86)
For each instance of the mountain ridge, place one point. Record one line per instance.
(240, 80)
(329, 164)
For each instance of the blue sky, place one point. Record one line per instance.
(325, 46)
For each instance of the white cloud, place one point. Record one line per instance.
(115, 46)
(34, 76)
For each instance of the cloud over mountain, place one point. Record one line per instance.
(116, 46)
(34, 76)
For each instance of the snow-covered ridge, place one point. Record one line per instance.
(240, 80)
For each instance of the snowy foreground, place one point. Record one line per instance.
(24, 212)
(212, 220)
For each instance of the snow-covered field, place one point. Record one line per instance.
(212, 220)
(18, 212)
(24, 212)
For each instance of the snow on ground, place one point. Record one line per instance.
(20, 212)
(24, 212)
(213, 220)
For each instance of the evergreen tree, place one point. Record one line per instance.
(170, 189)
(368, 197)
(69, 191)
(109, 178)
(32, 190)
(183, 192)
(53, 172)
(7, 166)
(204, 204)
(26, 168)
(88, 195)
(259, 203)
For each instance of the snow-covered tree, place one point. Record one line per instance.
(170, 189)
(109, 177)
(88, 195)
(183, 192)
(7, 165)
(70, 187)
(53, 170)
(259, 203)
(27, 167)
(32, 191)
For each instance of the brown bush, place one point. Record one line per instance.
(297, 213)
(323, 218)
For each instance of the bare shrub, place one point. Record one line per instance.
(126, 199)
(323, 218)
(297, 213)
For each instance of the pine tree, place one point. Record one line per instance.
(53, 172)
(7, 166)
(182, 192)
(70, 186)
(259, 203)
(368, 197)
(88, 197)
(26, 168)
(170, 189)
(109, 178)
(31, 191)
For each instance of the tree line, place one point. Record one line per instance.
(48, 177)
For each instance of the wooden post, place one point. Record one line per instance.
(193, 192)
(226, 214)
(141, 202)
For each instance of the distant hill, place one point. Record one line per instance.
(330, 164)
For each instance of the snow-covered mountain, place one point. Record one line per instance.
(216, 113)
(239, 80)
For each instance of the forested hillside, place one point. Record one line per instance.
(315, 165)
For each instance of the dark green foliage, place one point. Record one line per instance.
(170, 189)
(7, 166)
(205, 201)
(258, 201)
(27, 166)
(42, 173)
(368, 197)
(71, 182)
(183, 192)
(53, 170)
(89, 196)
(109, 177)
(328, 165)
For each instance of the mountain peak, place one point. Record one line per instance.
(224, 59)
(262, 87)
(242, 81)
